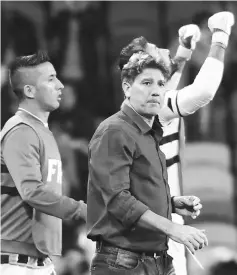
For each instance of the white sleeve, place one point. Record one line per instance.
(203, 89)
(173, 83)
(170, 109)
(191, 98)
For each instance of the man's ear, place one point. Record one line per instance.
(126, 88)
(29, 91)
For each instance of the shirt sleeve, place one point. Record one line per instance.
(20, 150)
(111, 158)
(188, 100)
(170, 108)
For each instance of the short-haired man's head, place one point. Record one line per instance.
(136, 45)
(139, 62)
(141, 44)
(18, 68)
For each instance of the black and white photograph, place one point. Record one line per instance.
(118, 137)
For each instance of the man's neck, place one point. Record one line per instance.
(149, 121)
(43, 116)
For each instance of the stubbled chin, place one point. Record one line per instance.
(155, 110)
(150, 114)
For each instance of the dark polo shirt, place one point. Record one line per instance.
(127, 176)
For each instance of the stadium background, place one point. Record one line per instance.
(84, 39)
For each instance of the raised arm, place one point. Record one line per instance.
(189, 99)
(189, 35)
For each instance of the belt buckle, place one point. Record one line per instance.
(156, 256)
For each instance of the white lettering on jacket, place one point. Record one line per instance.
(54, 170)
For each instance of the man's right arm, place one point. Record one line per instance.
(189, 35)
(206, 83)
(191, 98)
(20, 151)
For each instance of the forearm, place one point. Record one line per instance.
(152, 221)
(210, 75)
(48, 202)
(205, 85)
(27, 177)
(217, 51)
(180, 61)
(173, 83)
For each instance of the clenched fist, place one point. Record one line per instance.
(190, 236)
(187, 206)
(220, 25)
(189, 35)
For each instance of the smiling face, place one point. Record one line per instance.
(146, 92)
(48, 88)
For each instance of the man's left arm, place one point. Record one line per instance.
(189, 35)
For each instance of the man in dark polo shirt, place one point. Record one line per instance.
(129, 203)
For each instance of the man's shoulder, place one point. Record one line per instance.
(17, 126)
(21, 133)
(19, 120)
(19, 140)
(114, 122)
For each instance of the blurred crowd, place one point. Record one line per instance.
(83, 39)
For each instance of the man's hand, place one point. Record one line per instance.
(187, 206)
(189, 35)
(222, 21)
(220, 25)
(191, 237)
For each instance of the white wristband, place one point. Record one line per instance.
(184, 52)
(220, 37)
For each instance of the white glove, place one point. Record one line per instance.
(220, 25)
(189, 35)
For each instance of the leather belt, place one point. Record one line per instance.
(154, 254)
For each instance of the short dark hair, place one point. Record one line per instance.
(136, 45)
(28, 61)
(140, 61)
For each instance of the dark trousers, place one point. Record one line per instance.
(116, 261)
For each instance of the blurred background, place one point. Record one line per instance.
(84, 39)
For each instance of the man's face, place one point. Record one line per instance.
(48, 87)
(159, 54)
(146, 93)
